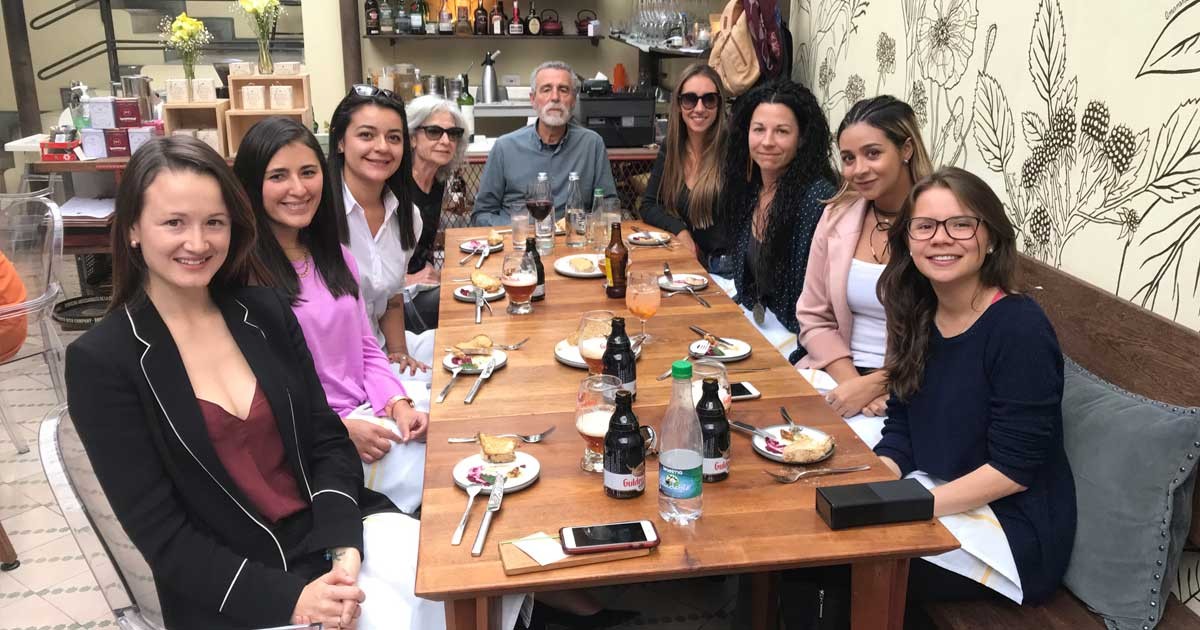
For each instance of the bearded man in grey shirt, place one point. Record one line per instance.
(551, 145)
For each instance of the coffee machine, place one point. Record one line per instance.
(622, 120)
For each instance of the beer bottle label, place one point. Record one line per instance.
(626, 483)
(607, 271)
(716, 465)
(679, 484)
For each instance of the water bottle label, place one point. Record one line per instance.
(716, 465)
(625, 483)
(680, 484)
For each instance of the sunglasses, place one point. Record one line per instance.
(434, 132)
(688, 100)
(368, 90)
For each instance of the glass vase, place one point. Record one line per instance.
(265, 65)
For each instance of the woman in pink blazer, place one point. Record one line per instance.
(842, 323)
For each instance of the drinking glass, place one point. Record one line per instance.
(576, 228)
(541, 208)
(642, 297)
(518, 274)
(520, 224)
(594, 407)
(594, 328)
(707, 368)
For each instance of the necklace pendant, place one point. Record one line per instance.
(760, 314)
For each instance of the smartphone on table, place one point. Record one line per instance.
(744, 391)
(608, 537)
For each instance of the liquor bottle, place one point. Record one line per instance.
(624, 452)
(462, 26)
(466, 102)
(539, 291)
(481, 19)
(515, 25)
(534, 24)
(498, 20)
(403, 24)
(619, 359)
(616, 257)
(446, 19)
(371, 8)
(416, 17)
(432, 17)
(680, 459)
(387, 22)
(714, 427)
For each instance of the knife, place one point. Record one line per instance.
(479, 302)
(484, 375)
(700, 331)
(667, 273)
(737, 424)
(446, 390)
(464, 259)
(493, 506)
(487, 249)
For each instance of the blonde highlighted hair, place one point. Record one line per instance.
(898, 122)
(702, 200)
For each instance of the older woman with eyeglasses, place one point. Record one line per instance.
(439, 143)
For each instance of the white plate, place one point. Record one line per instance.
(563, 266)
(473, 245)
(463, 294)
(680, 285)
(760, 443)
(529, 474)
(649, 239)
(568, 355)
(739, 351)
(477, 362)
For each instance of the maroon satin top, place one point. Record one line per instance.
(252, 452)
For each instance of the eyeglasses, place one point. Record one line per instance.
(434, 132)
(688, 100)
(959, 228)
(368, 90)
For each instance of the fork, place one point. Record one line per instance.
(692, 293)
(665, 375)
(793, 475)
(464, 259)
(528, 439)
(514, 346)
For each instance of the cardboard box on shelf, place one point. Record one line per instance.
(254, 97)
(102, 112)
(210, 137)
(242, 68)
(191, 133)
(281, 97)
(204, 90)
(287, 68)
(139, 136)
(117, 142)
(127, 112)
(94, 145)
(179, 91)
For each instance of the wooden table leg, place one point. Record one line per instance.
(877, 592)
(468, 614)
(8, 555)
(764, 601)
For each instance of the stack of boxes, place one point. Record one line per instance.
(254, 97)
(117, 128)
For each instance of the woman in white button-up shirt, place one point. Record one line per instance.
(370, 163)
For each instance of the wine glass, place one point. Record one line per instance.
(642, 297)
(708, 368)
(594, 407)
(594, 328)
(518, 274)
(539, 200)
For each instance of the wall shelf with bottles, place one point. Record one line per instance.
(545, 38)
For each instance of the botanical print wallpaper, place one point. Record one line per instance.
(1084, 116)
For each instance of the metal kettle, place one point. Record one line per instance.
(489, 87)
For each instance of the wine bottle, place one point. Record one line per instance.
(534, 24)
(416, 18)
(498, 20)
(446, 19)
(481, 19)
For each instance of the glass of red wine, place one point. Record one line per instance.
(540, 201)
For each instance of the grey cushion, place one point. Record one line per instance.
(1134, 465)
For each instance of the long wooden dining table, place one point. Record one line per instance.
(750, 525)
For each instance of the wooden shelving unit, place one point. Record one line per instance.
(393, 38)
(239, 120)
(210, 115)
(301, 92)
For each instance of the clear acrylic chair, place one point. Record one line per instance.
(31, 237)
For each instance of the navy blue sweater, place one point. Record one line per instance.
(993, 395)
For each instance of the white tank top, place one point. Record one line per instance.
(868, 338)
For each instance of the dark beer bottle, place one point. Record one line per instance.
(624, 452)
(715, 429)
(618, 357)
(616, 257)
(539, 292)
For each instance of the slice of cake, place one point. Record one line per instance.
(498, 450)
(805, 448)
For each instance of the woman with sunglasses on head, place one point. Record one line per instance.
(282, 168)
(370, 163)
(776, 180)
(976, 377)
(206, 425)
(685, 183)
(842, 323)
(439, 142)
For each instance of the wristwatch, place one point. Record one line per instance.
(387, 409)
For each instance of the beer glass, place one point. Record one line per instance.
(518, 274)
(642, 297)
(707, 368)
(594, 328)
(594, 407)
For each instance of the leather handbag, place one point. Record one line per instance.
(733, 55)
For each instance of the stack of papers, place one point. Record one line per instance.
(84, 212)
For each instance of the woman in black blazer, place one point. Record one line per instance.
(237, 536)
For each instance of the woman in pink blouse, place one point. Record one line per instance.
(283, 170)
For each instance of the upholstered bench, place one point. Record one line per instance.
(1132, 432)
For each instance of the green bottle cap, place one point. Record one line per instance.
(681, 369)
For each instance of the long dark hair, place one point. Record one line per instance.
(397, 183)
(743, 179)
(702, 201)
(906, 294)
(179, 153)
(898, 122)
(260, 144)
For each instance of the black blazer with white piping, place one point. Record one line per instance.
(217, 562)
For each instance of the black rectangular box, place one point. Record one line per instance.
(622, 120)
(874, 503)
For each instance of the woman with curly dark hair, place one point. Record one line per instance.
(780, 173)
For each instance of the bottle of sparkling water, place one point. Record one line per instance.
(681, 453)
